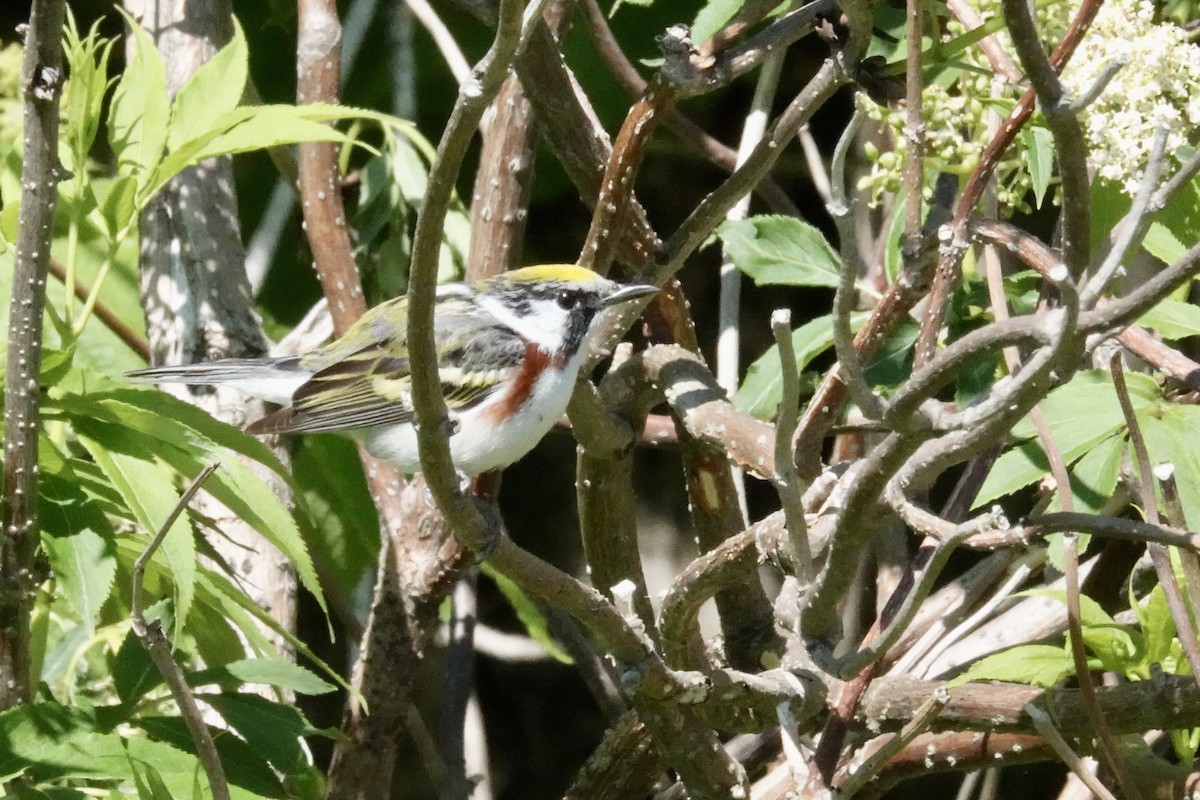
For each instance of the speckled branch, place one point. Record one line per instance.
(42, 77)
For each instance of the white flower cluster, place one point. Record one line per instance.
(1159, 84)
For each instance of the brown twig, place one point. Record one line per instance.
(42, 75)
(950, 258)
(400, 610)
(634, 84)
(154, 640)
(500, 200)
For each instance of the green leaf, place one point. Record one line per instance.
(84, 565)
(83, 97)
(1171, 436)
(339, 518)
(213, 90)
(149, 781)
(1094, 478)
(269, 671)
(780, 250)
(48, 741)
(273, 730)
(242, 763)
(1082, 414)
(243, 612)
(1158, 630)
(1090, 612)
(256, 128)
(528, 613)
(762, 389)
(1033, 664)
(712, 17)
(1039, 147)
(134, 674)
(1174, 319)
(149, 492)
(140, 110)
(76, 535)
(187, 438)
(1162, 243)
(117, 208)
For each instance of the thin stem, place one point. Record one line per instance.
(94, 295)
(787, 480)
(1041, 721)
(152, 637)
(1159, 554)
(920, 722)
(914, 123)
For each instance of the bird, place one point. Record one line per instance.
(509, 350)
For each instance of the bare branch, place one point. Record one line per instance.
(151, 636)
(42, 75)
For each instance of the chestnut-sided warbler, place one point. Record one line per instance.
(509, 350)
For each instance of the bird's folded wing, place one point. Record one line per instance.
(374, 386)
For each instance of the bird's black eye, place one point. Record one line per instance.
(568, 299)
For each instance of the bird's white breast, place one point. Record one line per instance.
(480, 444)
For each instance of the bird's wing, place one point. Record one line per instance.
(373, 386)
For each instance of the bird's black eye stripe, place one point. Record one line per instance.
(568, 298)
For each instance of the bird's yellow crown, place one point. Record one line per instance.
(551, 272)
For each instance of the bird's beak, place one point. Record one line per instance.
(627, 293)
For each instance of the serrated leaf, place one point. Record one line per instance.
(148, 491)
(272, 729)
(1174, 319)
(762, 388)
(83, 97)
(269, 671)
(241, 761)
(140, 111)
(150, 783)
(155, 404)
(182, 443)
(77, 535)
(1034, 664)
(780, 250)
(48, 741)
(242, 611)
(213, 90)
(84, 565)
(1163, 244)
(528, 613)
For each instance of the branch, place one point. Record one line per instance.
(42, 75)
(152, 638)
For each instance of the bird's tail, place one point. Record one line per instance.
(272, 379)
